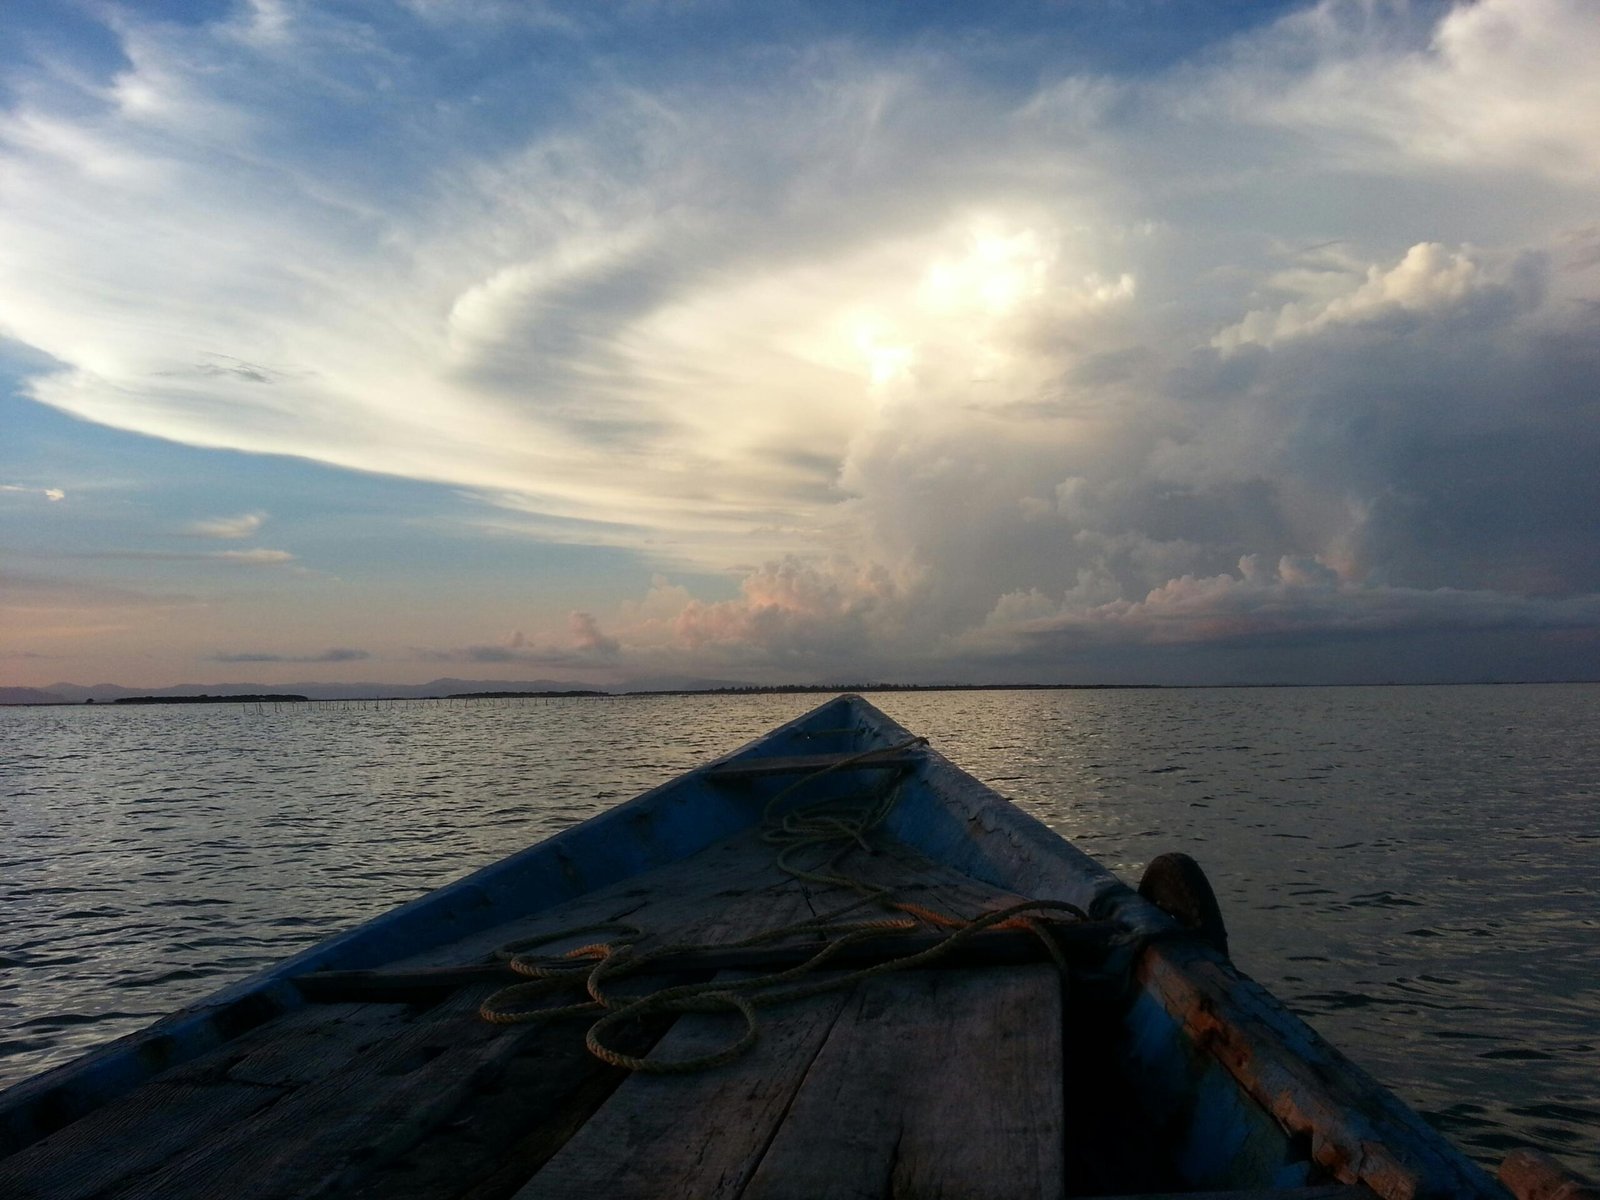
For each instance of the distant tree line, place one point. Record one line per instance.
(519, 695)
(265, 698)
(779, 689)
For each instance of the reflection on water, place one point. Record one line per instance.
(1410, 868)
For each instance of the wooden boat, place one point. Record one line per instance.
(1120, 1053)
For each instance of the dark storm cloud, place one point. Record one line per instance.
(337, 654)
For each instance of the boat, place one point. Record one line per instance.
(830, 963)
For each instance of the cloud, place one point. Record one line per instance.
(259, 556)
(791, 608)
(588, 311)
(1500, 84)
(1294, 600)
(242, 526)
(587, 646)
(49, 493)
(255, 557)
(913, 364)
(44, 594)
(1429, 280)
(588, 637)
(337, 654)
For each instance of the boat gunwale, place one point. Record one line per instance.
(1357, 1129)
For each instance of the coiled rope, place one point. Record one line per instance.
(837, 825)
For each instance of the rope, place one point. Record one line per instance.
(838, 825)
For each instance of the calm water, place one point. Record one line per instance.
(1413, 869)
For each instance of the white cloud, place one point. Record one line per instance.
(1497, 84)
(49, 493)
(1429, 278)
(242, 526)
(259, 556)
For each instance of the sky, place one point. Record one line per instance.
(1178, 341)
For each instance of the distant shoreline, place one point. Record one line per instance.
(781, 689)
(204, 698)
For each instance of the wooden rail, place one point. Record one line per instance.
(1079, 942)
(808, 764)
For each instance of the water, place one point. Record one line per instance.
(1412, 869)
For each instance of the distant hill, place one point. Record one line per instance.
(22, 695)
(73, 693)
(101, 693)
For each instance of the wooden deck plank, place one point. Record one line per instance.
(1326, 1191)
(703, 1135)
(921, 880)
(664, 901)
(550, 1089)
(305, 1045)
(132, 1135)
(550, 1086)
(930, 1084)
(671, 902)
(672, 1134)
(694, 1135)
(809, 764)
(195, 1102)
(991, 947)
(305, 1143)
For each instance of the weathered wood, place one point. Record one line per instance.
(195, 1102)
(47, 1103)
(306, 1045)
(696, 1135)
(935, 1084)
(551, 1086)
(670, 900)
(128, 1137)
(448, 1067)
(915, 878)
(1080, 942)
(1531, 1175)
(663, 901)
(1358, 1133)
(810, 764)
(635, 1144)
(309, 1142)
(334, 987)
(1328, 1191)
